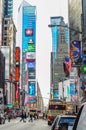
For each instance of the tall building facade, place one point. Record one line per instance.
(1, 18)
(75, 24)
(60, 40)
(8, 8)
(27, 39)
(75, 17)
(9, 41)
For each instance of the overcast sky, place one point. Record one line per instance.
(45, 9)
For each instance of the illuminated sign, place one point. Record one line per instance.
(31, 48)
(32, 75)
(32, 88)
(30, 55)
(17, 54)
(29, 32)
(30, 42)
(32, 99)
(17, 73)
(31, 64)
(17, 92)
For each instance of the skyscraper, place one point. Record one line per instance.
(60, 40)
(27, 39)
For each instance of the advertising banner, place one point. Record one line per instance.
(31, 64)
(31, 48)
(32, 75)
(31, 88)
(75, 53)
(32, 99)
(29, 32)
(55, 94)
(30, 55)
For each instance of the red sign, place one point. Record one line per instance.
(17, 54)
(17, 73)
(17, 92)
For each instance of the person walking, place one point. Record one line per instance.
(9, 116)
(31, 117)
(22, 116)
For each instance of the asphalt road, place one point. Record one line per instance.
(15, 124)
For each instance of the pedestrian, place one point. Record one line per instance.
(22, 116)
(9, 116)
(31, 117)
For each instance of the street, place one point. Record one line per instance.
(15, 124)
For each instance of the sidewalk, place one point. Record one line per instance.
(16, 120)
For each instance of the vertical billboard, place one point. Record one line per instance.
(31, 88)
(29, 26)
(17, 68)
(75, 53)
(55, 94)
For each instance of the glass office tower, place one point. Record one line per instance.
(27, 39)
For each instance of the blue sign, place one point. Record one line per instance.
(56, 94)
(32, 88)
(31, 64)
(72, 89)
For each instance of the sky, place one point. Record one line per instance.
(45, 9)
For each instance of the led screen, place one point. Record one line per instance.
(32, 88)
(31, 64)
(31, 48)
(29, 32)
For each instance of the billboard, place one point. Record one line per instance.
(29, 26)
(31, 42)
(31, 88)
(17, 54)
(29, 32)
(17, 74)
(31, 48)
(55, 94)
(30, 55)
(72, 89)
(31, 64)
(75, 53)
(32, 75)
(32, 99)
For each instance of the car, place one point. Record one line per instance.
(80, 122)
(63, 122)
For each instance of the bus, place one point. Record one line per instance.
(55, 108)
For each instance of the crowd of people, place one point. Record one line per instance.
(30, 116)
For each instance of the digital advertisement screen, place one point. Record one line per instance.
(72, 89)
(31, 64)
(31, 88)
(31, 48)
(56, 94)
(29, 32)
